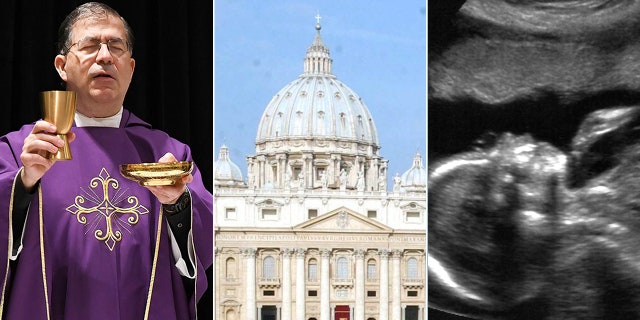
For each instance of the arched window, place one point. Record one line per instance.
(230, 268)
(298, 123)
(343, 268)
(371, 270)
(312, 270)
(269, 267)
(412, 268)
(231, 315)
(343, 120)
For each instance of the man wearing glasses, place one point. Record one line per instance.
(80, 241)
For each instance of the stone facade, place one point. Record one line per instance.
(315, 232)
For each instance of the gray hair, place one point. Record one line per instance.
(89, 10)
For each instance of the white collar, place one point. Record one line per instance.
(109, 122)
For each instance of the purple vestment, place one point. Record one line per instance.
(96, 232)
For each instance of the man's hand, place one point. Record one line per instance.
(41, 141)
(170, 194)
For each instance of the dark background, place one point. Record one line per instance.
(441, 32)
(172, 86)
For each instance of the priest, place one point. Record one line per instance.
(77, 239)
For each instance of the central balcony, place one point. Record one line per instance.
(269, 283)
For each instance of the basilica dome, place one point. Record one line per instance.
(226, 172)
(317, 106)
(317, 134)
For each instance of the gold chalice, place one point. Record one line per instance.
(59, 107)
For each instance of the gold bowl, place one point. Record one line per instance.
(156, 174)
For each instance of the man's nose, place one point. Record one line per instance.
(104, 55)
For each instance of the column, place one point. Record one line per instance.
(336, 169)
(261, 172)
(308, 170)
(260, 313)
(277, 180)
(396, 285)
(374, 176)
(249, 255)
(384, 284)
(359, 309)
(325, 286)
(300, 285)
(286, 283)
(250, 175)
(282, 170)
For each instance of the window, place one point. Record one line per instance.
(269, 214)
(268, 293)
(413, 217)
(231, 268)
(269, 267)
(312, 293)
(412, 268)
(274, 173)
(371, 270)
(412, 293)
(230, 213)
(312, 270)
(320, 121)
(371, 293)
(343, 268)
(312, 213)
(413, 213)
(372, 214)
(297, 127)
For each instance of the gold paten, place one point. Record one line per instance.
(59, 108)
(156, 174)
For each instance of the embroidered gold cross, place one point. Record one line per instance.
(108, 208)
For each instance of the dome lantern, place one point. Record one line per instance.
(317, 60)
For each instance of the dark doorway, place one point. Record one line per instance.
(268, 312)
(411, 312)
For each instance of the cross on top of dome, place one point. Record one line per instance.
(318, 17)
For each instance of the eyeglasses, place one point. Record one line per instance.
(89, 46)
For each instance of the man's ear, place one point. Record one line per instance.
(133, 67)
(60, 62)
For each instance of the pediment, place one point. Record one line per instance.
(343, 219)
(269, 203)
(412, 206)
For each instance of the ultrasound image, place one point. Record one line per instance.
(534, 120)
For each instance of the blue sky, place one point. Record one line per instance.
(378, 50)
